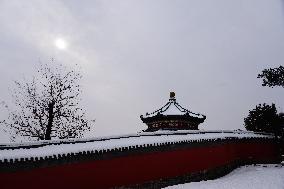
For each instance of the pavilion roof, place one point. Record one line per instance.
(172, 107)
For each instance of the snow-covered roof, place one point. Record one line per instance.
(173, 108)
(45, 149)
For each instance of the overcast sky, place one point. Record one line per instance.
(132, 53)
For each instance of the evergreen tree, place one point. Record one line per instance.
(263, 118)
(272, 77)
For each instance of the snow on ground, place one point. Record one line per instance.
(252, 177)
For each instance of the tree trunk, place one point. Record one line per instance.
(50, 121)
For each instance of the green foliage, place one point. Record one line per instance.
(263, 118)
(272, 77)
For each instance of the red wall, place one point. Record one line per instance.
(134, 169)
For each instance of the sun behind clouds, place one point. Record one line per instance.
(60, 44)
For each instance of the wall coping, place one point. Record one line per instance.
(45, 149)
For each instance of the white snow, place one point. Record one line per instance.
(252, 177)
(133, 141)
(173, 110)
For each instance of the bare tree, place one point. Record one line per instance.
(48, 106)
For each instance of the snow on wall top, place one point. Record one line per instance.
(12, 152)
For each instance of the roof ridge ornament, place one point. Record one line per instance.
(172, 96)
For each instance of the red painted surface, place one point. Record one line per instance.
(136, 169)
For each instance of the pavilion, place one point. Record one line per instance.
(172, 116)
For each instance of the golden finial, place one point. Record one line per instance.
(172, 95)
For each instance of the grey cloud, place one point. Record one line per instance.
(133, 53)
